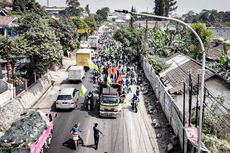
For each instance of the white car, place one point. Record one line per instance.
(67, 98)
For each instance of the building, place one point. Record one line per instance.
(54, 10)
(151, 24)
(221, 32)
(178, 73)
(6, 25)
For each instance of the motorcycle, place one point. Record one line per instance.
(89, 103)
(75, 140)
(134, 105)
(139, 80)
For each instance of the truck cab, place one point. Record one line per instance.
(110, 100)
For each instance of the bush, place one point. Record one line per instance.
(157, 63)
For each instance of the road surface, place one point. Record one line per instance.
(128, 133)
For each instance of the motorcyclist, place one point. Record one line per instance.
(135, 98)
(90, 95)
(137, 91)
(76, 130)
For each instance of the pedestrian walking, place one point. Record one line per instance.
(96, 135)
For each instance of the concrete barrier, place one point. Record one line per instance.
(11, 111)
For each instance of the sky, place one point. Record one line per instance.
(147, 5)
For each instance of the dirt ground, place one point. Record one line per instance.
(165, 135)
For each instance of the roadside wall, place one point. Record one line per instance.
(6, 92)
(166, 100)
(12, 110)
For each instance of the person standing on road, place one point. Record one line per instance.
(96, 132)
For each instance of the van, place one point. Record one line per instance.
(76, 73)
(67, 98)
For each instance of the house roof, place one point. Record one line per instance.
(7, 20)
(151, 24)
(178, 72)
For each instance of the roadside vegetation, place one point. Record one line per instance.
(45, 39)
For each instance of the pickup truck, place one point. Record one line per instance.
(110, 100)
(31, 134)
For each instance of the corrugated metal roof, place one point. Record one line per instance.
(178, 72)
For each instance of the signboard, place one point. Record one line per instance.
(192, 134)
(85, 30)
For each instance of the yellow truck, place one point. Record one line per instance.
(83, 57)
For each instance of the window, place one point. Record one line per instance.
(64, 97)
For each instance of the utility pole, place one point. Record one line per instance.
(203, 63)
(183, 115)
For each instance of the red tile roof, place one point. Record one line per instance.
(6, 20)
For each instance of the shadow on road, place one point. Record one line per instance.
(69, 144)
(90, 146)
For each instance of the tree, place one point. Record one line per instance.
(224, 59)
(11, 49)
(172, 5)
(73, 3)
(102, 14)
(66, 33)
(45, 46)
(87, 9)
(79, 23)
(205, 35)
(25, 6)
(164, 7)
(90, 21)
(24, 23)
(73, 9)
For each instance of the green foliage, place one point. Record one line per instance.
(73, 9)
(45, 48)
(90, 21)
(205, 35)
(79, 23)
(24, 23)
(167, 42)
(164, 7)
(209, 17)
(102, 14)
(65, 31)
(130, 38)
(157, 63)
(224, 59)
(28, 6)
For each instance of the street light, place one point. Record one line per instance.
(203, 64)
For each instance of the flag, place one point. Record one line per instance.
(107, 51)
(94, 66)
(108, 81)
(82, 91)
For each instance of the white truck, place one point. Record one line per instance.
(76, 73)
(93, 41)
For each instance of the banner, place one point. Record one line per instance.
(82, 91)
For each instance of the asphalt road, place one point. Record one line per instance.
(128, 133)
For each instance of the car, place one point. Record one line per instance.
(67, 98)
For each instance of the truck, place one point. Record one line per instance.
(76, 73)
(32, 133)
(93, 41)
(83, 57)
(110, 100)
